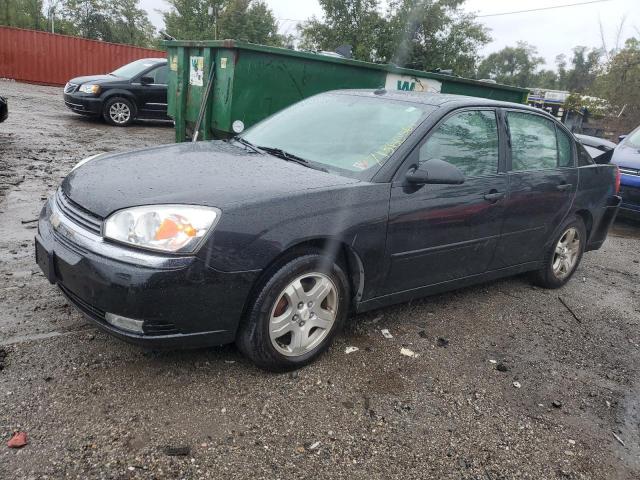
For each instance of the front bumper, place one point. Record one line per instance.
(182, 302)
(83, 103)
(630, 193)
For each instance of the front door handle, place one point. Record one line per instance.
(493, 196)
(563, 187)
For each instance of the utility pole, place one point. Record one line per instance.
(213, 12)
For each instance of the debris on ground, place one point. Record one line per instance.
(386, 334)
(313, 446)
(501, 367)
(3, 357)
(349, 350)
(18, 440)
(442, 342)
(570, 310)
(618, 439)
(517, 384)
(493, 361)
(556, 404)
(178, 451)
(408, 353)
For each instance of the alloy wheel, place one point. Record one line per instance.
(566, 253)
(120, 112)
(303, 314)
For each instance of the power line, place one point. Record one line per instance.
(543, 8)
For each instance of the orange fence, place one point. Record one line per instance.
(51, 59)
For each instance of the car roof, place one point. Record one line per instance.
(440, 99)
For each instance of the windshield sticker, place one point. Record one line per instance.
(196, 72)
(385, 151)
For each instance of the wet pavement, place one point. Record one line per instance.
(94, 407)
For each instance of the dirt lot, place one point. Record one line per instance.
(97, 408)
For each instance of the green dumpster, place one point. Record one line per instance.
(250, 82)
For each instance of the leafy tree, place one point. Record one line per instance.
(22, 14)
(353, 22)
(430, 34)
(512, 65)
(248, 20)
(585, 68)
(620, 83)
(118, 21)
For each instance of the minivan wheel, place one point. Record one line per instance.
(563, 256)
(119, 111)
(296, 313)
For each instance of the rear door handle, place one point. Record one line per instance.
(564, 187)
(494, 196)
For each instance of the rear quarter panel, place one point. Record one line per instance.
(596, 188)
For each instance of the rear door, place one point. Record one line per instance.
(438, 233)
(543, 179)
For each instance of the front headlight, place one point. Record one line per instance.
(167, 228)
(90, 88)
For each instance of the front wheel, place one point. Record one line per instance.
(563, 256)
(119, 111)
(296, 313)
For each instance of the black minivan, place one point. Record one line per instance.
(136, 90)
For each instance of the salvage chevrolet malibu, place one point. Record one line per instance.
(345, 202)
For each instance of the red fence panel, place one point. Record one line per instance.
(51, 59)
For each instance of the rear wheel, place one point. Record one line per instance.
(119, 111)
(296, 314)
(563, 256)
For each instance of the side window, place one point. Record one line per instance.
(468, 140)
(161, 75)
(533, 142)
(584, 158)
(565, 150)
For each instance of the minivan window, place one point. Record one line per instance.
(533, 142)
(133, 69)
(565, 150)
(160, 75)
(468, 140)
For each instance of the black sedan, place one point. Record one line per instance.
(345, 202)
(136, 90)
(4, 109)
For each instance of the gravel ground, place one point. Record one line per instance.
(509, 383)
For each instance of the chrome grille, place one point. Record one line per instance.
(630, 171)
(70, 88)
(77, 214)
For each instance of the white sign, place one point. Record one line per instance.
(196, 71)
(410, 83)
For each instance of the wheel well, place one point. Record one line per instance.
(339, 251)
(587, 218)
(126, 96)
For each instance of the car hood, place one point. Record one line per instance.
(97, 79)
(215, 174)
(626, 156)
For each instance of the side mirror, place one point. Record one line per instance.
(622, 137)
(146, 80)
(436, 172)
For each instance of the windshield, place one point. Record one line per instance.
(133, 69)
(634, 138)
(351, 135)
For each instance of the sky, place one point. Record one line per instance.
(551, 31)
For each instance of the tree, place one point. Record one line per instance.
(512, 65)
(353, 22)
(247, 20)
(585, 68)
(430, 34)
(620, 83)
(421, 34)
(22, 14)
(118, 21)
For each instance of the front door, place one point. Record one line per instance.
(439, 233)
(153, 97)
(542, 182)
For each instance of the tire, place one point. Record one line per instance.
(559, 266)
(119, 111)
(276, 334)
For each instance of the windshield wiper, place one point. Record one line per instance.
(278, 152)
(247, 143)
